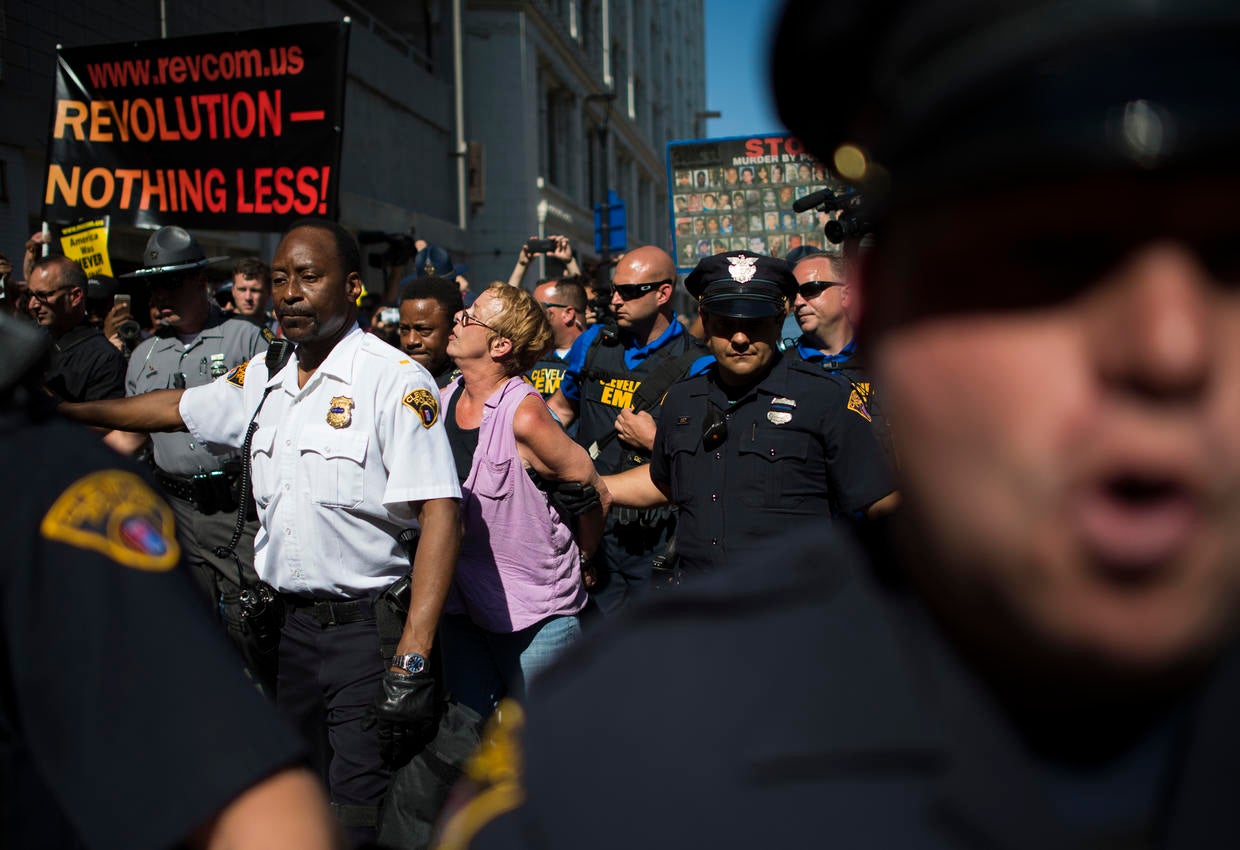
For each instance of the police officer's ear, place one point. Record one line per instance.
(353, 286)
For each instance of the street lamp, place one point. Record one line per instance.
(606, 99)
(699, 122)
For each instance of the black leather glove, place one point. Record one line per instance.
(574, 499)
(406, 713)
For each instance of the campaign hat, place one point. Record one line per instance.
(930, 98)
(172, 249)
(433, 261)
(742, 284)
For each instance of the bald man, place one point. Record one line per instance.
(604, 371)
(824, 307)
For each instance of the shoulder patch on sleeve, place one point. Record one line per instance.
(492, 785)
(237, 376)
(423, 403)
(267, 334)
(116, 514)
(857, 400)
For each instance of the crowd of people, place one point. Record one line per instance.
(958, 565)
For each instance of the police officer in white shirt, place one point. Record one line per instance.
(347, 452)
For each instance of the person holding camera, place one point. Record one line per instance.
(554, 247)
(193, 344)
(84, 365)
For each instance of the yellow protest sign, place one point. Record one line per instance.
(87, 243)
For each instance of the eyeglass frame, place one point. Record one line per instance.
(45, 298)
(464, 319)
(547, 305)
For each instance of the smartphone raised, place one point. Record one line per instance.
(122, 300)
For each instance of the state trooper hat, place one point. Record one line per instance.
(433, 261)
(742, 285)
(934, 96)
(172, 249)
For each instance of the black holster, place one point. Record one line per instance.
(391, 610)
(262, 613)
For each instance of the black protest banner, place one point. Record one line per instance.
(237, 131)
(737, 194)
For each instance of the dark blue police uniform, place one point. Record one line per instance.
(601, 378)
(125, 720)
(815, 703)
(849, 364)
(797, 449)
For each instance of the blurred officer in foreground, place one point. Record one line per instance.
(124, 721)
(761, 440)
(1040, 650)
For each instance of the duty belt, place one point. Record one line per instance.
(181, 486)
(209, 492)
(331, 612)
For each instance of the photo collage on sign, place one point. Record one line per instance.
(722, 201)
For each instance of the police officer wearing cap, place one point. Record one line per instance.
(760, 440)
(194, 343)
(1042, 646)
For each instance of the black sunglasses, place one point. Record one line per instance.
(629, 291)
(549, 304)
(814, 288)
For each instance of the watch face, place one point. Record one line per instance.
(413, 663)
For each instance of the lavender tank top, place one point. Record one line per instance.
(519, 563)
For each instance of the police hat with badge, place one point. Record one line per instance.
(171, 250)
(945, 97)
(742, 285)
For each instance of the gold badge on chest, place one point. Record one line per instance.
(340, 414)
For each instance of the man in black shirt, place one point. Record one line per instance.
(84, 365)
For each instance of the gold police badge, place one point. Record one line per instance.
(340, 414)
(423, 403)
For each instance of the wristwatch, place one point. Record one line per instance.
(411, 663)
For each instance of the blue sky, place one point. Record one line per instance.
(738, 38)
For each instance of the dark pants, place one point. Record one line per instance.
(220, 579)
(628, 549)
(329, 676)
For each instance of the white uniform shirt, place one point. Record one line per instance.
(335, 463)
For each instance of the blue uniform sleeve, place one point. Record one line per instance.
(570, 385)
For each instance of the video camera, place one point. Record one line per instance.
(852, 221)
(400, 247)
